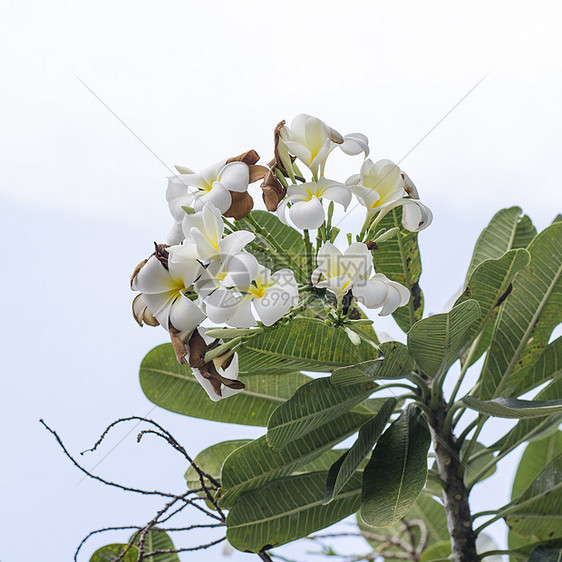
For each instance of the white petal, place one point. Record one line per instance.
(298, 126)
(371, 293)
(300, 151)
(242, 269)
(415, 215)
(316, 133)
(353, 180)
(321, 156)
(243, 318)
(234, 242)
(410, 187)
(355, 143)
(175, 235)
(235, 176)
(392, 302)
(273, 305)
(209, 280)
(338, 193)
(183, 264)
(153, 278)
(222, 305)
(357, 261)
(185, 315)
(307, 214)
(160, 305)
(219, 196)
(205, 249)
(329, 260)
(337, 285)
(211, 174)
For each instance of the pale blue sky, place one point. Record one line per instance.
(81, 200)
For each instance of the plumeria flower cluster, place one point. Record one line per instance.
(206, 282)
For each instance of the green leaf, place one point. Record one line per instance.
(346, 466)
(153, 540)
(439, 551)
(514, 408)
(158, 540)
(313, 405)
(399, 259)
(499, 236)
(524, 233)
(527, 318)
(305, 343)
(172, 386)
(490, 285)
(210, 460)
(481, 457)
(110, 552)
(438, 341)
(533, 428)
(537, 512)
(397, 471)
(426, 512)
(547, 366)
(394, 363)
(288, 509)
(255, 464)
(545, 554)
(276, 245)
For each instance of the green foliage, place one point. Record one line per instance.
(399, 259)
(438, 341)
(529, 315)
(394, 362)
(342, 470)
(287, 509)
(153, 540)
(305, 343)
(514, 408)
(397, 471)
(312, 405)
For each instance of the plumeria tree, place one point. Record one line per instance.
(253, 299)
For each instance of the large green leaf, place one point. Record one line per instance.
(394, 362)
(255, 464)
(547, 366)
(490, 284)
(304, 343)
(527, 318)
(346, 466)
(153, 540)
(287, 509)
(276, 245)
(533, 428)
(537, 512)
(397, 471)
(426, 513)
(399, 259)
(513, 408)
(110, 552)
(313, 405)
(172, 386)
(506, 230)
(210, 460)
(438, 341)
(534, 458)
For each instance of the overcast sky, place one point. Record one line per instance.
(82, 199)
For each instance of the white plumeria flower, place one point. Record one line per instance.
(351, 271)
(382, 186)
(166, 292)
(306, 211)
(206, 228)
(378, 185)
(212, 185)
(272, 295)
(237, 270)
(340, 271)
(379, 291)
(231, 372)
